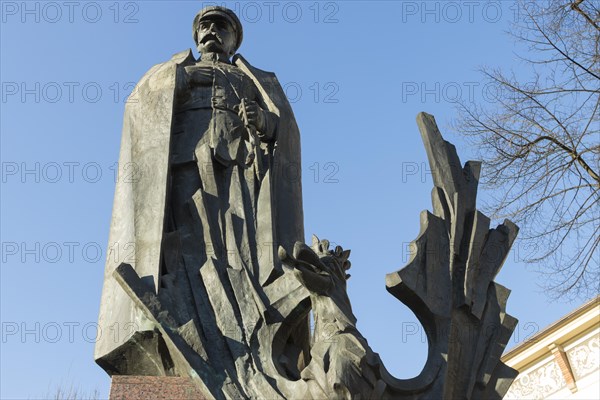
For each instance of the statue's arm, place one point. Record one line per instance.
(318, 283)
(264, 84)
(270, 128)
(307, 268)
(268, 132)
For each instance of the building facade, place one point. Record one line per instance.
(562, 361)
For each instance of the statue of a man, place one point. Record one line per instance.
(210, 189)
(208, 205)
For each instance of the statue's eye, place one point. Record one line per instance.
(222, 25)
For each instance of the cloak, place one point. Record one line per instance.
(141, 197)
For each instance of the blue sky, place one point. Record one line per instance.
(356, 72)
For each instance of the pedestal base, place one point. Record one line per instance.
(153, 388)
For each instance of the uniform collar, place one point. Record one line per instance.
(214, 57)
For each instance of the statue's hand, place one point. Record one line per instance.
(252, 114)
(317, 266)
(307, 267)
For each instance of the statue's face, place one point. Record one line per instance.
(216, 35)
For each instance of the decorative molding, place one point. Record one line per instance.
(537, 384)
(585, 357)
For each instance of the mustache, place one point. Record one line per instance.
(211, 36)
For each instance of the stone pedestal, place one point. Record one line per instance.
(153, 388)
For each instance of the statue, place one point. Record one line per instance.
(209, 277)
(215, 154)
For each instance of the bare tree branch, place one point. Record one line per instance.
(540, 142)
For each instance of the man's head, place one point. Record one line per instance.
(217, 30)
